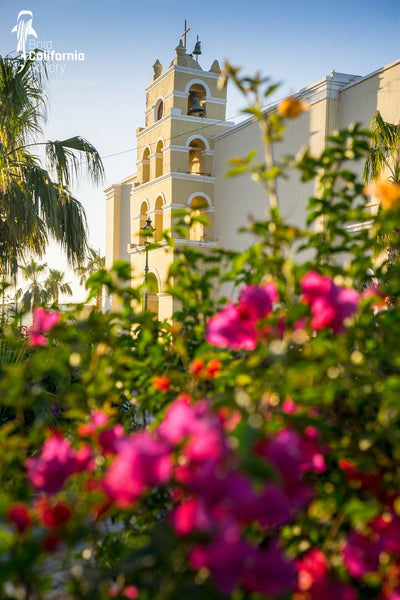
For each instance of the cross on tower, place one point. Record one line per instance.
(184, 33)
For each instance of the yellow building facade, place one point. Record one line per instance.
(185, 109)
(184, 148)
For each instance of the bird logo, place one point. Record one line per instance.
(23, 29)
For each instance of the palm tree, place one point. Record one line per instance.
(94, 262)
(383, 158)
(54, 286)
(384, 152)
(34, 206)
(35, 293)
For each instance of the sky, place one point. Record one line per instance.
(102, 97)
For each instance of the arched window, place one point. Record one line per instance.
(146, 166)
(159, 110)
(197, 100)
(158, 219)
(159, 159)
(196, 161)
(199, 231)
(142, 221)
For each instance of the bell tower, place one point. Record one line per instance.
(185, 109)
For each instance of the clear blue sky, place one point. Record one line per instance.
(102, 98)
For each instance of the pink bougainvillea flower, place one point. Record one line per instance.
(48, 471)
(235, 326)
(191, 515)
(43, 321)
(224, 557)
(142, 460)
(269, 572)
(258, 300)
(292, 455)
(312, 567)
(130, 592)
(98, 420)
(19, 515)
(109, 439)
(232, 328)
(330, 304)
(361, 554)
(313, 582)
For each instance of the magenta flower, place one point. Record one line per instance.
(235, 326)
(314, 580)
(110, 439)
(142, 461)
(269, 572)
(43, 321)
(191, 515)
(56, 462)
(292, 455)
(361, 554)
(330, 304)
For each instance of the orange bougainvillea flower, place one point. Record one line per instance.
(196, 366)
(387, 192)
(292, 107)
(213, 367)
(162, 383)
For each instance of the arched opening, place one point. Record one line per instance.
(196, 157)
(159, 159)
(158, 219)
(142, 221)
(146, 166)
(199, 231)
(159, 110)
(152, 293)
(197, 100)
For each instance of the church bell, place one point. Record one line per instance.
(196, 109)
(197, 48)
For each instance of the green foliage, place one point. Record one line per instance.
(34, 207)
(345, 385)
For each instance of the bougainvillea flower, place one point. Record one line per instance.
(191, 515)
(292, 455)
(161, 383)
(196, 366)
(330, 304)
(48, 471)
(314, 582)
(53, 515)
(19, 515)
(141, 461)
(224, 557)
(292, 107)
(109, 439)
(235, 326)
(361, 554)
(98, 420)
(258, 300)
(387, 192)
(269, 572)
(312, 567)
(232, 328)
(43, 321)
